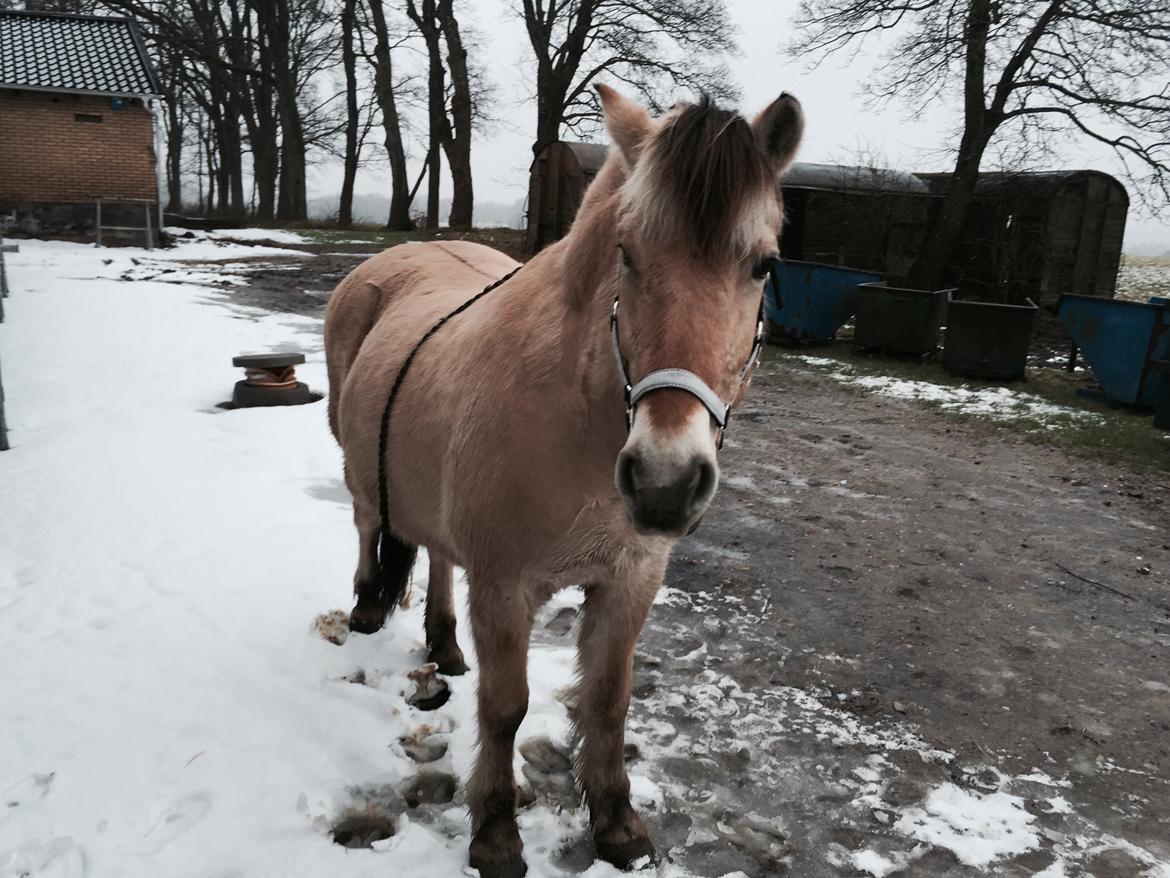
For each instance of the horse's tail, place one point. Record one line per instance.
(352, 311)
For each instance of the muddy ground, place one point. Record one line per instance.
(884, 600)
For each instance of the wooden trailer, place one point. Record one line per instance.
(557, 181)
(1041, 234)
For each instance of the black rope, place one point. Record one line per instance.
(384, 432)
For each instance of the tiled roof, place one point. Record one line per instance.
(74, 53)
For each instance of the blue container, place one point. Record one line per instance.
(1120, 341)
(807, 300)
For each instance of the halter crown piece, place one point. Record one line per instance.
(683, 379)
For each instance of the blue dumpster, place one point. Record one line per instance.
(807, 300)
(1120, 341)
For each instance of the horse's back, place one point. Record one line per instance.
(409, 287)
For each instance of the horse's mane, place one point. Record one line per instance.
(705, 168)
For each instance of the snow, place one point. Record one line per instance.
(873, 863)
(996, 403)
(979, 828)
(277, 236)
(168, 710)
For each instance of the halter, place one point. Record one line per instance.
(683, 379)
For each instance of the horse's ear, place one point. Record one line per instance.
(628, 123)
(778, 129)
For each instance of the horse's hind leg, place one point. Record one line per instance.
(443, 649)
(501, 623)
(613, 616)
(377, 591)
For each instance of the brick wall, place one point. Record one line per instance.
(48, 154)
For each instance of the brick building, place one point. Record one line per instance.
(76, 122)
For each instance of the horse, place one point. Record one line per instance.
(562, 430)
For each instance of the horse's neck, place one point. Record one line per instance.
(585, 262)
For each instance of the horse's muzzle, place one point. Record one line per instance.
(665, 498)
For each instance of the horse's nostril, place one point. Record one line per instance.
(707, 480)
(627, 463)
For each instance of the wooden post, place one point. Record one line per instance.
(149, 236)
(99, 222)
(3, 425)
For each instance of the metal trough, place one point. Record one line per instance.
(1120, 341)
(811, 301)
(1162, 402)
(988, 340)
(898, 321)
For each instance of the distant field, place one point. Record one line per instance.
(1143, 276)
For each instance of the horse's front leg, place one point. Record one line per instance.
(613, 616)
(501, 622)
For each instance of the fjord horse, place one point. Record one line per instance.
(522, 449)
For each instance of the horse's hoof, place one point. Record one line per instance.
(635, 852)
(449, 658)
(513, 869)
(496, 850)
(366, 621)
(622, 839)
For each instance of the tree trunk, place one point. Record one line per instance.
(399, 218)
(349, 62)
(550, 107)
(457, 144)
(437, 128)
(936, 259)
(292, 203)
(264, 129)
(174, 153)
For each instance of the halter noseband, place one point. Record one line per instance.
(682, 379)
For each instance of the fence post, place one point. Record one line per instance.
(149, 236)
(3, 425)
(99, 222)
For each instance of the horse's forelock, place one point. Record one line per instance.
(703, 178)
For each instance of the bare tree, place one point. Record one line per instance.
(1096, 69)
(438, 127)
(352, 110)
(385, 89)
(654, 46)
(466, 99)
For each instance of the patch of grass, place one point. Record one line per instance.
(511, 241)
(1140, 277)
(1112, 434)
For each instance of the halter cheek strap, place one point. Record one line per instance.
(682, 379)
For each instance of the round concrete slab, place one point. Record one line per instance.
(268, 361)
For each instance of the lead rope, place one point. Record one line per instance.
(385, 538)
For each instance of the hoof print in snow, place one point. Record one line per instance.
(429, 788)
(363, 829)
(423, 745)
(358, 677)
(562, 622)
(430, 692)
(758, 837)
(332, 626)
(554, 789)
(545, 756)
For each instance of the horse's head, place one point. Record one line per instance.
(698, 221)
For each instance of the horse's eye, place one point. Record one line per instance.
(764, 267)
(626, 260)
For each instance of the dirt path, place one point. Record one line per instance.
(899, 643)
(903, 567)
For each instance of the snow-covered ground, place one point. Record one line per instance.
(1003, 404)
(169, 709)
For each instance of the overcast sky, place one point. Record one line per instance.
(839, 124)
